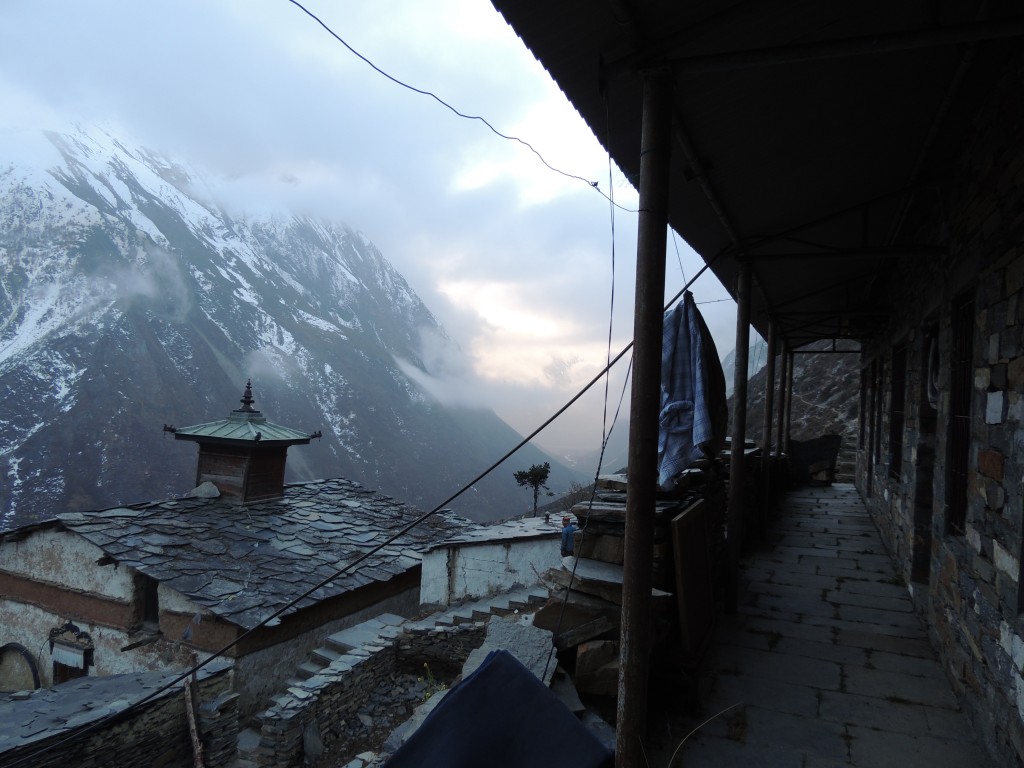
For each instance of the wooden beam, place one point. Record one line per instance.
(869, 45)
(851, 254)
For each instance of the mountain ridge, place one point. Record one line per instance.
(130, 299)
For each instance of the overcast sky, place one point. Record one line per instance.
(514, 259)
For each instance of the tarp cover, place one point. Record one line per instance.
(694, 413)
(501, 716)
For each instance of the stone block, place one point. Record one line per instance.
(609, 549)
(1005, 561)
(990, 464)
(994, 407)
(1015, 374)
(603, 681)
(595, 654)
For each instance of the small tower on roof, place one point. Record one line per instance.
(243, 455)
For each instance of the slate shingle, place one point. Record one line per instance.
(247, 562)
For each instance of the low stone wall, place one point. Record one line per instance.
(155, 733)
(306, 719)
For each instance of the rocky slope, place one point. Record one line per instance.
(826, 388)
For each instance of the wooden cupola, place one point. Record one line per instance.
(243, 455)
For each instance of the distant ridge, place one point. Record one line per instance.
(130, 299)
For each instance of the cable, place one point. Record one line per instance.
(679, 258)
(592, 184)
(593, 490)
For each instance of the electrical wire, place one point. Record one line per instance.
(592, 184)
(679, 257)
(606, 431)
(87, 728)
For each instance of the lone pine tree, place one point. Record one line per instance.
(535, 477)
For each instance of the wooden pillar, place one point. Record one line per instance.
(784, 428)
(734, 513)
(767, 500)
(780, 415)
(642, 477)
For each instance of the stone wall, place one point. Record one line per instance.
(967, 583)
(261, 673)
(319, 713)
(155, 733)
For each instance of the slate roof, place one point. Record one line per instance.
(511, 530)
(28, 717)
(244, 562)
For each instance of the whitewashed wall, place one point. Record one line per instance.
(64, 560)
(464, 571)
(67, 560)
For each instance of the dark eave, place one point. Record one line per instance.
(810, 139)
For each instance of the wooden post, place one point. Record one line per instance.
(783, 394)
(642, 473)
(784, 433)
(193, 728)
(767, 499)
(734, 513)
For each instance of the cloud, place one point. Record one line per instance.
(514, 259)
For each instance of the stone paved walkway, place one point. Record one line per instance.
(826, 660)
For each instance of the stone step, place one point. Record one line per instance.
(248, 745)
(385, 625)
(307, 669)
(325, 655)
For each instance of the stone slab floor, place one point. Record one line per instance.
(826, 664)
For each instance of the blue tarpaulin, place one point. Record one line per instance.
(501, 716)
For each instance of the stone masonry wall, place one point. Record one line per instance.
(157, 733)
(319, 713)
(973, 597)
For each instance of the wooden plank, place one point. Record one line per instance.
(584, 632)
(190, 712)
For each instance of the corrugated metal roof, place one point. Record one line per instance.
(246, 424)
(243, 426)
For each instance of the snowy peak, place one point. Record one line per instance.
(129, 299)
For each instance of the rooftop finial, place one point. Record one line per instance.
(247, 399)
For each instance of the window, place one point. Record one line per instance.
(71, 652)
(897, 403)
(147, 601)
(958, 438)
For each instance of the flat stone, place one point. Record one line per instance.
(531, 645)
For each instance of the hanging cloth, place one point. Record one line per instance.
(694, 414)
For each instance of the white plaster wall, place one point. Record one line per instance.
(66, 559)
(466, 571)
(30, 626)
(172, 600)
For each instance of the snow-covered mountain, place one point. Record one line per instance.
(130, 300)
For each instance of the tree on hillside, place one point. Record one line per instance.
(535, 477)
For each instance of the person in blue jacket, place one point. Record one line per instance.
(568, 529)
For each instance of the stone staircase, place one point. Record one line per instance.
(516, 601)
(377, 633)
(378, 630)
